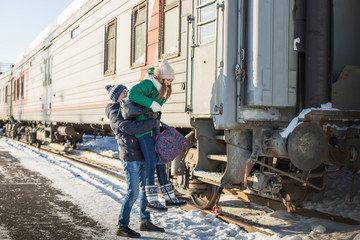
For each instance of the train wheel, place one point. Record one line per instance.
(207, 198)
(38, 144)
(181, 184)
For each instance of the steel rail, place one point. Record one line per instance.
(278, 205)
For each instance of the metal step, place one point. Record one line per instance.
(218, 157)
(210, 177)
(220, 137)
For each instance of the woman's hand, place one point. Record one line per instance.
(155, 107)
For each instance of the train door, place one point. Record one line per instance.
(47, 85)
(203, 69)
(8, 99)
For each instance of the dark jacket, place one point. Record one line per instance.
(124, 130)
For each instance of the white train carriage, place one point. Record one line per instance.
(66, 72)
(244, 69)
(62, 74)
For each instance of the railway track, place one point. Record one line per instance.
(277, 205)
(117, 172)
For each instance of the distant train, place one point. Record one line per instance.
(244, 70)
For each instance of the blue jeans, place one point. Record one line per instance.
(147, 145)
(135, 176)
(161, 174)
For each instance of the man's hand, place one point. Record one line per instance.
(157, 124)
(158, 117)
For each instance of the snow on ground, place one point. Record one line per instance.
(336, 197)
(100, 197)
(106, 146)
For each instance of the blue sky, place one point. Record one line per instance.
(22, 20)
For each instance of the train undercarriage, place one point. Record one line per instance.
(37, 133)
(261, 161)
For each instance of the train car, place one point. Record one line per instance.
(5, 99)
(266, 91)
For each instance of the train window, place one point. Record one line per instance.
(206, 20)
(18, 89)
(13, 90)
(6, 94)
(22, 86)
(138, 36)
(169, 28)
(110, 47)
(32, 62)
(75, 32)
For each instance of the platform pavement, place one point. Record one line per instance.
(30, 208)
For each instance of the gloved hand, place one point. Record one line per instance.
(157, 124)
(152, 115)
(158, 116)
(155, 107)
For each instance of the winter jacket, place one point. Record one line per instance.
(140, 94)
(124, 130)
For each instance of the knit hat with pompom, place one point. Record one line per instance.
(165, 70)
(115, 91)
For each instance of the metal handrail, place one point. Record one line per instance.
(217, 108)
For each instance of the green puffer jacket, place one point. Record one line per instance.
(140, 94)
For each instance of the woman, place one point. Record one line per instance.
(152, 92)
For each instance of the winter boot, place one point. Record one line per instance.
(150, 227)
(127, 232)
(152, 196)
(170, 198)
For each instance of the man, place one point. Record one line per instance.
(132, 160)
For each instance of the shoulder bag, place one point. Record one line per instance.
(169, 144)
(130, 110)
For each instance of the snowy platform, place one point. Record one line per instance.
(30, 208)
